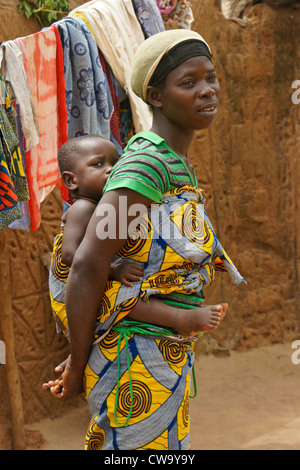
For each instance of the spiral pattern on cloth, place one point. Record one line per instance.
(59, 269)
(137, 240)
(185, 411)
(95, 437)
(104, 305)
(193, 224)
(110, 340)
(141, 399)
(164, 280)
(173, 351)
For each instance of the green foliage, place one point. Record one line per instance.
(45, 12)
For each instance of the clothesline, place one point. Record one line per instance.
(71, 79)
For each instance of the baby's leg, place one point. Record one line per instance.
(187, 322)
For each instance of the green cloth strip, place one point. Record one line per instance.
(125, 330)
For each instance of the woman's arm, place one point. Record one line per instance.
(89, 274)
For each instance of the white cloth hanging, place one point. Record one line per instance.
(234, 9)
(13, 73)
(118, 34)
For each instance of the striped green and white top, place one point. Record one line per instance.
(149, 167)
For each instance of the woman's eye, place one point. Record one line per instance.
(188, 83)
(212, 78)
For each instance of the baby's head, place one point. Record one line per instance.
(85, 163)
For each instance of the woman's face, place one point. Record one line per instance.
(190, 94)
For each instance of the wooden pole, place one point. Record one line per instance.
(7, 332)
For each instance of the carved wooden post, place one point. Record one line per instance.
(7, 332)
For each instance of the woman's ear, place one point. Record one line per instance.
(153, 96)
(70, 180)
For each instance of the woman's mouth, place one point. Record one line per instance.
(208, 109)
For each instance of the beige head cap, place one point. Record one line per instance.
(150, 53)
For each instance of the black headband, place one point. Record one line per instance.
(177, 56)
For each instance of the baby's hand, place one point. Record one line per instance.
(55, 386)
(126, 272)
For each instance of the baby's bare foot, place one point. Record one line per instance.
(224, 310)
(209, 318)
(190, 322)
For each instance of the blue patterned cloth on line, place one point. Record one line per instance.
(88, 96)
(148, 16)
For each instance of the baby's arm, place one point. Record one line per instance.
(77, 218)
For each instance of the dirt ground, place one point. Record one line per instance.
(246, 401)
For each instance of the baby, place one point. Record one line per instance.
(85, 164)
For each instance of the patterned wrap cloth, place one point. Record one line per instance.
(137, 380)
(13, 182)
(43, 65)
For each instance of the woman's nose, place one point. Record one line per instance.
(207, 90)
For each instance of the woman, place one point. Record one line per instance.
(137, 377)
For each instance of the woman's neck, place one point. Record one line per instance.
(177, 138)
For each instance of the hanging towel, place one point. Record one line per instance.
(13, 183)
(13, 73)
(176, 13)
(118, 34)
(43, 64)
(148, 16)
(88, 96)
(24, 222)
(166, 7)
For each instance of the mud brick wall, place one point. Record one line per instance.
(248, 163)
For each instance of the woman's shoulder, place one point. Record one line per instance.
(142, 141)
(149, 146)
